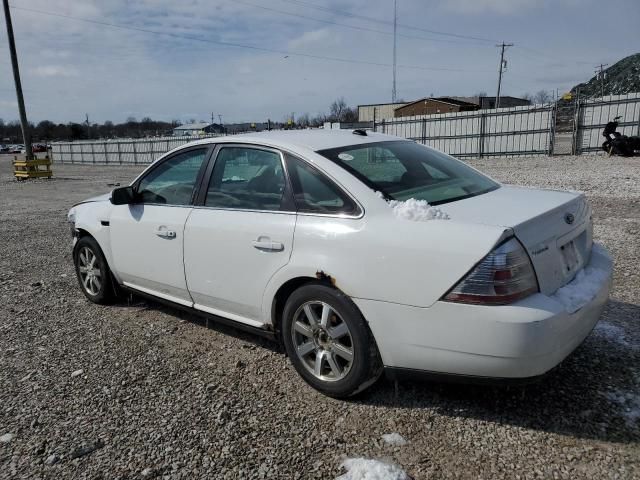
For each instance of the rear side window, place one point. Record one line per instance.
(246, 178)
(315, 193)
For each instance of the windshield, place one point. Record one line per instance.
(403, 170)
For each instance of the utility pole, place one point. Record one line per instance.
(212, 117)
(601, 75)
(395, 28)
(26, 135)
(501, 69)
(86, 120)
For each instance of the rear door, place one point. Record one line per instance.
(147, 237)
(240, 232)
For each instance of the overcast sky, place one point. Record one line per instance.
(70, 67)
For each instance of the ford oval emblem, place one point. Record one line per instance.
(569, 218)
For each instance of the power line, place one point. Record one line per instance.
(387, 22)
(344, 25)
(233, 44)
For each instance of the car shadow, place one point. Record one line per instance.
(594, 393)
(201, 320)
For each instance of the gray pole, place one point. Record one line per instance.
(395, 27)
(600, 73)
(500, 69)
(26, 136)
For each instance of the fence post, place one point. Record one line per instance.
(552, 128)
(374, 118)
(93, 153)
(384, 127)
(106, 155)
(119, 153)
(135, 152)
(576, 127)
(483, 119)
(167, 146)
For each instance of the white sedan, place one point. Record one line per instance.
(360, 252)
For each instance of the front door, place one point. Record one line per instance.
(147, 237)
(241, 234)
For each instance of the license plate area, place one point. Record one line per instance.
(571, 258)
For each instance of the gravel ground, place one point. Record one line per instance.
(138, 390)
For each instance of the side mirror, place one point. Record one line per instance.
(123, 196)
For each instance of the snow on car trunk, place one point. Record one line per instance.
(555, 227)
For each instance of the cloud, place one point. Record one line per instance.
(502, 7)
(313, 38)
(54, 71)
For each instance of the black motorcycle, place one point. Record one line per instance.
(616, 143)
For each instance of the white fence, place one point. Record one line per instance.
(505, 131)
(527, 130)
(123, 152)
(593, 115)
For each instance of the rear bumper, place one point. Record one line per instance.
(518, 341)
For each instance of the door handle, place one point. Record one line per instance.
(163, 232)
(265, 243)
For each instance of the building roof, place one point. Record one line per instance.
(382, 104)
(447, 100)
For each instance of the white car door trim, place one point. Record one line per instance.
(230, 316)
(155, 293)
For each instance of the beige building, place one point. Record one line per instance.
(366, 113)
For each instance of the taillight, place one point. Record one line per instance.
(502, 277)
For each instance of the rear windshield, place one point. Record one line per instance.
(403, 170)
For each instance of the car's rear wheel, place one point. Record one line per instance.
(93, 272)
(328, 341)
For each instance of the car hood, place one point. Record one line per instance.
(99, 198)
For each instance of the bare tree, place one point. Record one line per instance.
(337, 109)
(527, 96)
(543, 96)
(303, 120)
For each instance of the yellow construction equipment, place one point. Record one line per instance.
(34, 168)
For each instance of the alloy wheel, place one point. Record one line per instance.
(322, 341)
(90, 274)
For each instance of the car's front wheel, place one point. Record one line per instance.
(329, 342)
(93, 272)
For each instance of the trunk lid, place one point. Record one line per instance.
(555, 227)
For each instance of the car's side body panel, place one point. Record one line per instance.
(147, 242)
(412, 263)
(225, 265)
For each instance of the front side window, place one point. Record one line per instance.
(247, 178)
(315, 193)
(403, 170)
(173, 181)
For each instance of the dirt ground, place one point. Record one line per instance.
(138, 390)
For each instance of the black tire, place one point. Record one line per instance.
(100, 291)
(365, 367)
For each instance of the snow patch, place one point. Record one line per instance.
(629, 404)
(367, 469)
(6, 438)
(584, 287)
(613, 333)
(394, 439)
